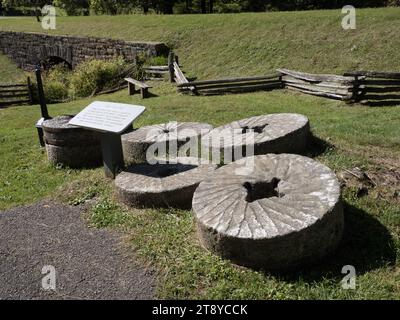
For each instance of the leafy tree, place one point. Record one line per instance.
(25, 3)
(73, 7)
(192, 6)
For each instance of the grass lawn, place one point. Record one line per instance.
(9, 72)
(167, 239)
(351, 136)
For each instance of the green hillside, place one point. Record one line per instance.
(9, 72)
(252, 43)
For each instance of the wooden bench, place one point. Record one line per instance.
(144, 88)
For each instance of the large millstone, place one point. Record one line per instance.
(162, 185)
(272, 133)
(136, 143)
(69, 145)
(283, 214)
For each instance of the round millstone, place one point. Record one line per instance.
(69, 145)
(136, 143)
(272, 133)
(274, 212)
(169, 184)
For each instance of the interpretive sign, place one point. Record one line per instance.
(111, 119)
(107, 116)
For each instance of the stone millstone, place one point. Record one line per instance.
(284, 214)
(136, 143)
(69, 145)
(162, 185)
(273, 133)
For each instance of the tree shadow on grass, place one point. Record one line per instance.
(366, 245)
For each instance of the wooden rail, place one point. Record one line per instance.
(355, 86)
(346, 88)
(233, 85)
(155, 72)
(378, 88)
(219, 86)
(16, 94)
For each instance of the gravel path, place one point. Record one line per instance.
(89, 263)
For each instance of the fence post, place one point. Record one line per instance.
(356, 88)
(281, 81)
(171, 66)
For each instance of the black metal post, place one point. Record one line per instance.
(43, 106)
(42, 99)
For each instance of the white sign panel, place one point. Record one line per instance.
(107, 116)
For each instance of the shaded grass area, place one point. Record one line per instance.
(167, 238)
(251, 43)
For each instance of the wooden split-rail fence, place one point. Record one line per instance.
(220, 86)
(155, 72)
(377, 88)
(367, 87)
(346, 88)
(232, 85)
(16, 94)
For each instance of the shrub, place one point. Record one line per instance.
(96, 75)
(90, 77)
(73, 7)
(55, 91)
(59, 73)
(158, 61)
(228, 8)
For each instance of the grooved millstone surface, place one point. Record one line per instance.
(273, 133)
(69, 145)
(162, 185)
(283, 214)
(136, 143)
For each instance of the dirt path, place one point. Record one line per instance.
(89, 263)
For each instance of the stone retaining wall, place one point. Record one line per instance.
(27, 49)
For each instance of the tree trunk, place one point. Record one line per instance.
(203, 6)
(38, 11)
(37, 14)
(211, 4)
(145, 7)
(169, 7)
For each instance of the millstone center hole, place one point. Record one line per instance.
(261, 190)
(256, 129)
(167, 171)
